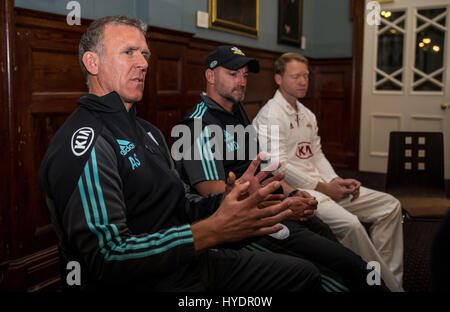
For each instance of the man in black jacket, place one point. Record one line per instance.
(119, 207)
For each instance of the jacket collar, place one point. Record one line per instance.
(211, 103)
(109, 103)
(237, 108)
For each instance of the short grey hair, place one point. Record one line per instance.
(92, 39)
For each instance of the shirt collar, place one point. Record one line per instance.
(281, 101)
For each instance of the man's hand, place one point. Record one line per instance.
(205, 188)
(351, 185)
(337, 189)
(302, 205)
(249, 176)
(237, 219)
(354, 185)
(231, 183)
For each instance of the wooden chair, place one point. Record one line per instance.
(415, 174)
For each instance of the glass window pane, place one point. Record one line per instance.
(430, 50)
(427, 86)
(390, 51)
(399, 77)
(391, 16)
(430, 14)
(389, 85)
(429, 56)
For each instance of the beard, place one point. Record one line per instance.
(234, 99)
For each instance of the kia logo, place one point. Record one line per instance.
(82, 140)
(304, 150)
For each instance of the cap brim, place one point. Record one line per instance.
(234, 64)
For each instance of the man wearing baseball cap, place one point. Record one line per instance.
(231, 58)
(216, 153)
(226, 72)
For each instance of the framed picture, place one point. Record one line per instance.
(290, 22)
(236, 16)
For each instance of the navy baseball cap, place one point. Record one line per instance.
(232, 58)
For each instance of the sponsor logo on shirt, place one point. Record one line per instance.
(304, 150)
(125, 146)
(82, 140)
(228, 137)
(229, 140)
(232, 146)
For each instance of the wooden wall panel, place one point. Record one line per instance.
(261, 86)
(357, 16)
(54, 71)
(47, 83)
(6, 136)
(166, 84)
(48, 68)
(195, 68)
(331, 98)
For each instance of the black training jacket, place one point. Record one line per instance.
(119, 201)
(213, 154)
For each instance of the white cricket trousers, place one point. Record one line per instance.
(383, 243)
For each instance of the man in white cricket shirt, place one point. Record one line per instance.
(343, 203)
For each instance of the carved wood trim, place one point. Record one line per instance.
(357, 16)
(7, 133)
(25, 273)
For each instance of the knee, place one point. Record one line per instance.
(353, 225)
(307, 277)
(394, 203)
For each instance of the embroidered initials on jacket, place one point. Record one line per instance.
(125, 148)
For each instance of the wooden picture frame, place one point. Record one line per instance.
(236, 16)
(290, 22)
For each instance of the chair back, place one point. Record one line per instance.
(416, 164)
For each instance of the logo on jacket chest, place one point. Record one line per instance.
(304, 150)
(229, 140)
(125, 147)
(125, 150)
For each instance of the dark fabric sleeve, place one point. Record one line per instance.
(203, 160)
(96, 226)
(199, 207)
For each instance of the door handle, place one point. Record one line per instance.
(445, 105)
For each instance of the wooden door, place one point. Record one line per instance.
(406, 77)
